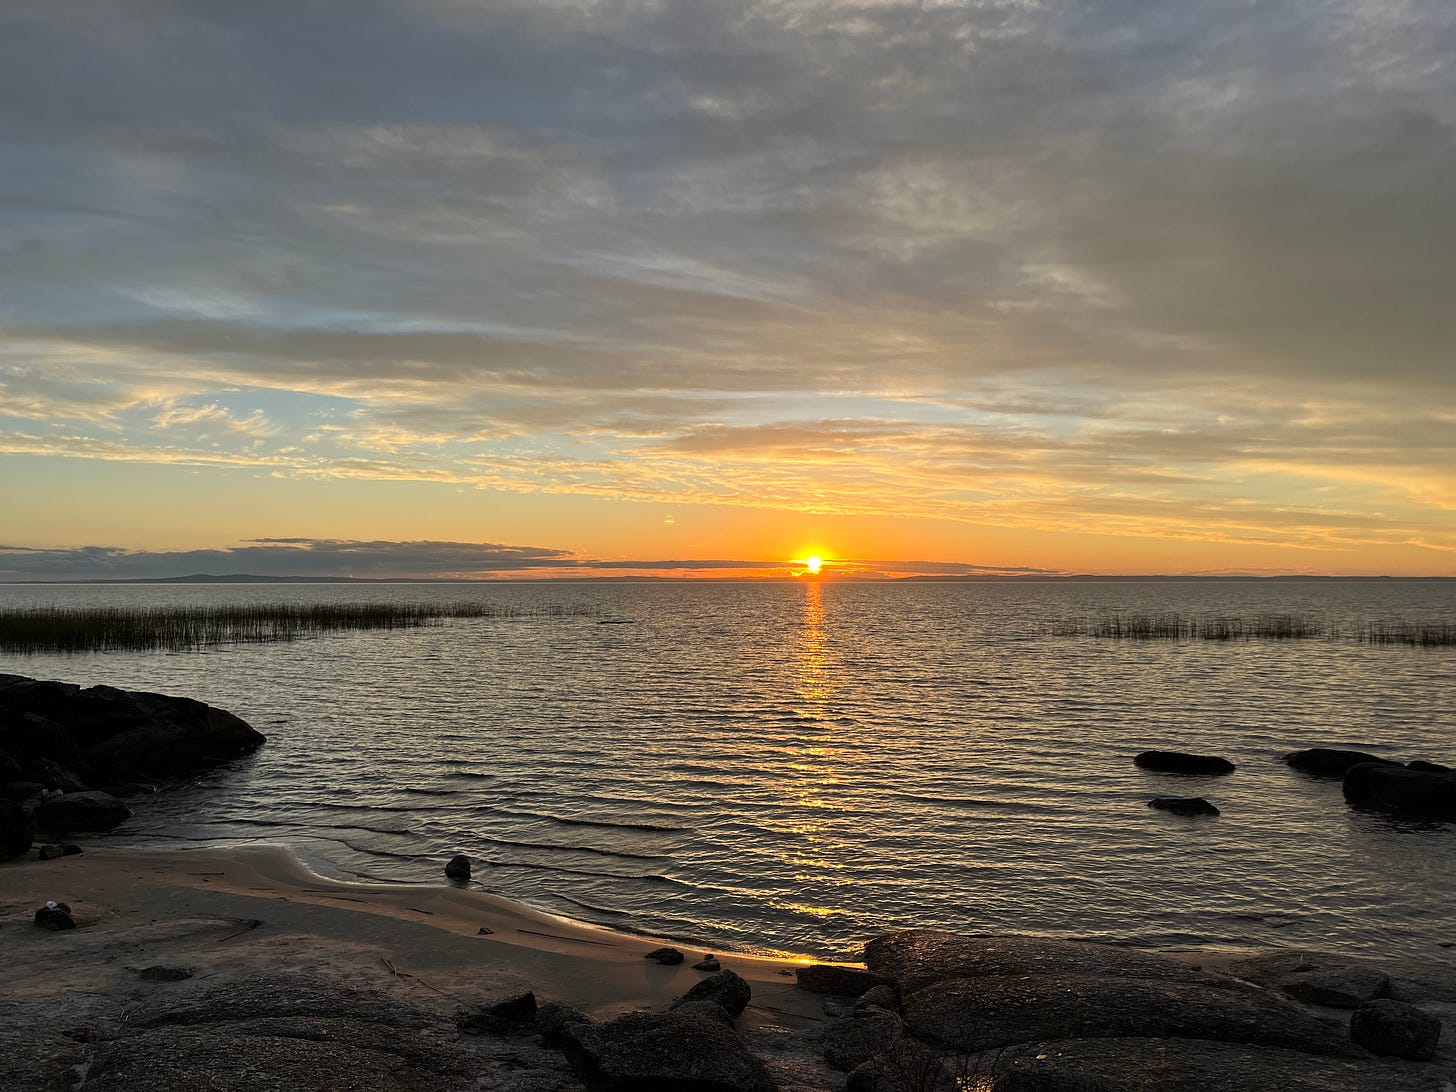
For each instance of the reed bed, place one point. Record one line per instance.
(108, 629)
(1182, 626)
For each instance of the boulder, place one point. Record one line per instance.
(666, 956)
(708, 1010)
(1331, 761)
(1184, 805)
(877, 997)
(55, 852)
(985, 1013)
(1340, 987)
(81, 811)
(1396, 1029)
(837, 981)
(657, 1050)
(55, 916)
(21, 791)
(9, 769)
(1181, 763)
(708, 963)
(725, 989)
(914, 958)
(552, 1019)
(120, 734)
(1192, 1065)
(17, 830)
(53, 775)
(501, 1014)
(1402, 790)
(1428, 767)
(458, 867)
(848, 1044)
(906, 1066)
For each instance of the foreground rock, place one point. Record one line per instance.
(837, 981)
(1331, 761)
(725, 989)
(991, 1011)
(1397, 1029)
(101, 735)
(1188, 1065)
(1341, 988)
(1398, 789)
(642, 1051)
(17, 830)
(848, 1044)
(81, 811)
(1179, 762)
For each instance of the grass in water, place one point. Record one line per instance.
(1401, 632)
(104, 629)
(1178, 626)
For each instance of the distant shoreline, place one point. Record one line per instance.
(240, 578)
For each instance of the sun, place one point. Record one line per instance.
(813, 563)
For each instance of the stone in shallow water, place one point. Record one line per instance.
(458, 867)
(1184, 805)
(1183, 763)
(1331, 761)
(972, 1014)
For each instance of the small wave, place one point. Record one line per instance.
(647, 877)
(593, 909)
(472, 774)
(512, 843)
(605, 824)
(429, 792)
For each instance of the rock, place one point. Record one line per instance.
(654, 1050)
(838, 981)
(708, 963)
(81, 811)
(725, 988)
(54, 852)
(124, 735)
(1402, 790)
(877, 997)
(1184, 805)
(502, 1014)
(53, 775)
(1331, 761)
(850, 1043)
(552, 1019)
(908, 1066)
(485, 931)
(9, 769)
(20, 791)
(1191, 1065)
(708, 1010)
(125, 789)
(1341, 988)
(164, 972)
(914, 958)
(55, 916)
(1396, 1029)
(1428, 767)
(984, 1013)
(666, 956)
(1181, 763)
(17, 830)
(458, 867)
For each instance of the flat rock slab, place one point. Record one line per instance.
(287, 996)
(915, 958)
(1187, 1065)
(644, 1051)
(972, 1014)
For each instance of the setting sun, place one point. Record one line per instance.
(814, 564)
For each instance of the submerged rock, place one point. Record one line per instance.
(1331, 761)
(725, 989)
(1184, 805)
(458, 867)
(1402, 790)
(1180, 762)
(1396, 1029)
(17, 830)
(656, 1050)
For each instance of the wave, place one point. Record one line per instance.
(605, 824)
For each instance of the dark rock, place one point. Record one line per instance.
(1396, 1029)
(1184, 805)
(1181, 763)
(1402, 790)
(126, 789)
(1331, 761)
(485, 931)
(552, 1019)
(708, 963)
(20, 791)
(458, 867)
(55, 916)
(877, 997)
(1189, 1065)
(724, 988)
(9, 769)
(974, 1014)
(1428, 767)
(851, 1043)
(163, 972)
(501, 1014)
(644, 1051)
(708, 1010)
(53, 775)
(1341, 988)
(666, 956)
(81, 811)
(837, 981)
(124, 735)
(914, 958)
(54, 852)
(907, 1066)
(17, 830)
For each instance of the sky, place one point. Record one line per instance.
(490, 288)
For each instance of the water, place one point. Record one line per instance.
(796, 767)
